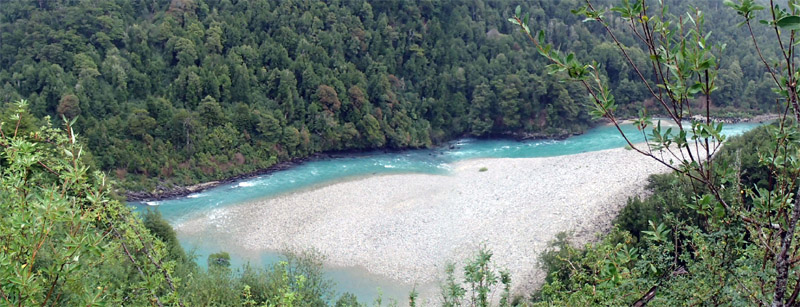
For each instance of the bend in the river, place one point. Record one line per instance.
(322, 172)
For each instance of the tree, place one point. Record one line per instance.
(357, 96)
(140, 124)
(509, 102)
(221, 260)
(731, 86)
(480, 111)
(480, 276)
(211, 112)
(371, 128)
(328, 97)
(63, 239)
(753, 227)
(185, 52)
(69, 106)
(424, 60)
(269, 127)
(291, 138)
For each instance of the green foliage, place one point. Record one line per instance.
(721, 229)
(670, 195)
(296, 281)
(481, 278)
(163, 231)
(348, 300)
(156, 83)
(176, 92)
(412, 297)
(221, 260)
(63, 239)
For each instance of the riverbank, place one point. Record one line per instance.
(761, 118)
(163, 192)
(757, 119)
(408, 227)
(166, 193)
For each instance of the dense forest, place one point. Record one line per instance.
(65, 241)
(177, 92)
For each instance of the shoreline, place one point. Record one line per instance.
(407, 226)
(182, 191)
(760, 118)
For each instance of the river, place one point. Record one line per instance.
(321, 172)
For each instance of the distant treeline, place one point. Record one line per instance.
(182, 91)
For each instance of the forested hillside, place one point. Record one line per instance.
(182, 91)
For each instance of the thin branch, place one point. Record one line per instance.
(156, 263)
(5, 297)
(635, 68)
(760, 55)
(130, 258)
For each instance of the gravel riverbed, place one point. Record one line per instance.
(407, 227)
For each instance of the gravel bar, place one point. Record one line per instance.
(407, 227)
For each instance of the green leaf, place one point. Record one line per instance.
(719, 210)
(517, 11)
(696, 88)
(790, 22)
(706, 65)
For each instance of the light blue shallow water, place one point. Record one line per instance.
(433, 161)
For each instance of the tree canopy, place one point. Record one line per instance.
(176, 91)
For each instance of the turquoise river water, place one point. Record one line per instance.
(321, 172)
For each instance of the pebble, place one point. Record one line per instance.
(408, 226)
